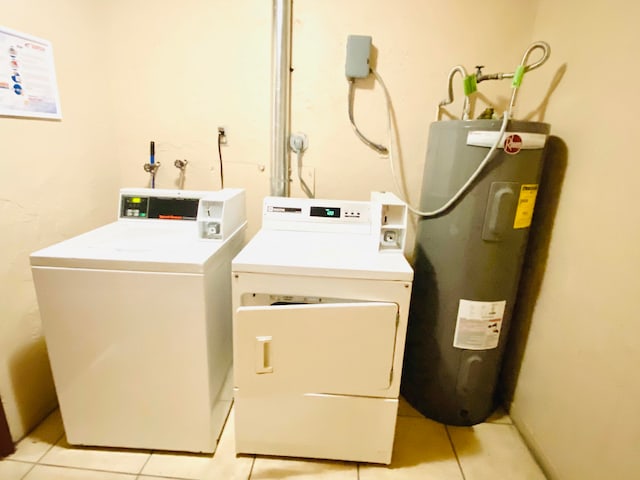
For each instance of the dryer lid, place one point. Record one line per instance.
(320, 254)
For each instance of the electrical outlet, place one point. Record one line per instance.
(222, 134)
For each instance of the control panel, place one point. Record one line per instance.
(313, 215)
(383, 218)
(135, 207)
(221, 213)
(217, 214)
(391, 221)
(158, 207)
(299, 210)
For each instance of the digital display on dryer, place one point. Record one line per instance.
(328, 212)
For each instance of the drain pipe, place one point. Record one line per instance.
(281, 106)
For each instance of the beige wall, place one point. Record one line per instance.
(55, 182)
(577, 396)
(180, 70)
(130, 73)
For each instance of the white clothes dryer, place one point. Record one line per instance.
(320, 304)
(137, 320)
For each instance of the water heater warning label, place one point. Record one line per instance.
(526, 202)
(478, 324)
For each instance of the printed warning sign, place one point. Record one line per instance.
(526, 202)
(478, 324)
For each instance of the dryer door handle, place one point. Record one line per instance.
(263, 354)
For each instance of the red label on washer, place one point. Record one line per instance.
(513, 144)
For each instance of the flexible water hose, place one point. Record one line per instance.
(465, 107)
(471, 179)
(517, 79)
(523, 67)
(462, 189)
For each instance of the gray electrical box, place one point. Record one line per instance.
(358, 51)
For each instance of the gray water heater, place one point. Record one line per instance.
(467, 264)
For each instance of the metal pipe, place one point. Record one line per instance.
(281, 99)
(544, 46)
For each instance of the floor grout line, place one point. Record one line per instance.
(17, 461)
(57, 440)
(455, 452)
(28, 471)
(101, 470)
(163, 476)
(145, 463)
(251, 470)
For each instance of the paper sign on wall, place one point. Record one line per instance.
(28, 85)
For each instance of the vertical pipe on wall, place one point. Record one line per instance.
(281, 100)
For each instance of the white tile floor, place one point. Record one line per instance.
(423, 450)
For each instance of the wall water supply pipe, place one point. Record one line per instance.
(281, 98)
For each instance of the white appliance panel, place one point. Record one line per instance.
(316, 426)
(395, 292)
(319, 254)
(160, 246)
(329, 348)
(138, 333)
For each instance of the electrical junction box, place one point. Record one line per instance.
(358, 51)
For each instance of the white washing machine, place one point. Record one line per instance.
(137, 320)
(320, 301)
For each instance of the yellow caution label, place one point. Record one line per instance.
(526, 202)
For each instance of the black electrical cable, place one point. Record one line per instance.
(220, 135)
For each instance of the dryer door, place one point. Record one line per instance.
(338, 348)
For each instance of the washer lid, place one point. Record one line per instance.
(320, 254)
(155, 247)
